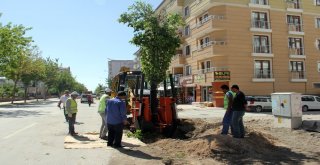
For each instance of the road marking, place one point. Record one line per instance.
(20, 130)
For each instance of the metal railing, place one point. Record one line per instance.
(212, 69)
(210, 43)
(260, 24)
(262, 49)
(294, 4)
(298, 74)
(260, 2)
(296, 51)
(207, 19)
(295, 27)
(263, 74)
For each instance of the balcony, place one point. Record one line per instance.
(259, 4)
(297, 53)
(263, 75)
(208, 25)
(212, 69)
(260, 26)
(178, 60)
(295, 29)
(298, 76)
(262, 51)
(175, 6)
(294, 6)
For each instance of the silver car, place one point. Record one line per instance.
(310, 102)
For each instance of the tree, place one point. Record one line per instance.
(157, 38)
(13, 47)
(99, 88)
(51, 73)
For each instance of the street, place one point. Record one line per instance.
(34, 133)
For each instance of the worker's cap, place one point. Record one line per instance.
(107, 90)
(74, 93)
(66, 91)
(121, 93)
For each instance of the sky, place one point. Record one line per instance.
(82, 34)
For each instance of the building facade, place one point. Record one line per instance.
(264, 46)
(114, 66)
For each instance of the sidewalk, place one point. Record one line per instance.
(28, 101)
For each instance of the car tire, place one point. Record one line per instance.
(305, 108)
(258, 109)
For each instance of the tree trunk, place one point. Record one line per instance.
(14, 91)
(37, 93)
(25, 93)
(154, 102)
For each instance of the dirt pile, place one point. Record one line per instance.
(198, 140)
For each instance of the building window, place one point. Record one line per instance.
(187, 30)
(208, 66)
(206, 41)
(187, 50)
(294, 4)
(318, 23)
(262, 69)
(186, 11)
(188, 70)
(295, 46)
(317, 2)
(297, 69)
(318, 66)
(260, 20)
(261, 44)
(318, 44)
(260, 2)
(294, 23)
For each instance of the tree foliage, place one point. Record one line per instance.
(156, 36)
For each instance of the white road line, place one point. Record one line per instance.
(18, 131)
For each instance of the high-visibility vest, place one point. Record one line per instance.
(103, 103)
(73, 106)
(226, 100)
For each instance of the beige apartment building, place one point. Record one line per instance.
(264, 46)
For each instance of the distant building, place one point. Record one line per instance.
(114, 66)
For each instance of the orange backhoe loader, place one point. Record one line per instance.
(139, 104)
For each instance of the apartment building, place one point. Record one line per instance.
(114, 66)
(264, 46)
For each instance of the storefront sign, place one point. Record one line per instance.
(186, 80)
(221, 75)
(200, 78)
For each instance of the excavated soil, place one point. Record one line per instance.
(200, 142)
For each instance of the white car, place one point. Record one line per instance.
(259, 103)
(83, 98)
(310, 102)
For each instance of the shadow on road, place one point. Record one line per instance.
(18, 113)
(28, 104)
(138, 154)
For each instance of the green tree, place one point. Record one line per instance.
(13, 47)
(51, 73)
(157, 37)
(98, 89)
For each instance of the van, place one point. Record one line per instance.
(259, 103)
(310, 102)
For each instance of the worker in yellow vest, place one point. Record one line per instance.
(71, 110)
(101, 110)
(228, 99)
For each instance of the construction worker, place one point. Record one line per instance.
(228, 98)
(63, 100)
(116, 118)
(101, 110)
(71, 110)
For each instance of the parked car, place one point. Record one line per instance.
(259, 103)
(310, 102)
(84, 98)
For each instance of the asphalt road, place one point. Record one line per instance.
(34, 134)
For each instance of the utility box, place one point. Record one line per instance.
(286, 108)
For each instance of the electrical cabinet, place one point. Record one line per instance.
(286, 104)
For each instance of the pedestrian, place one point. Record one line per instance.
(63, 100)
(89, 97)
(101, 110)
(71, 110)
(239, 105)
(116, 119)
(227, 103)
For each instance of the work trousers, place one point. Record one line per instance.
(237, 123)
(72, 121)
(226, 123)
(104, 126)
(115, 134)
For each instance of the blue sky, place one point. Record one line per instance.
(82, 34)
